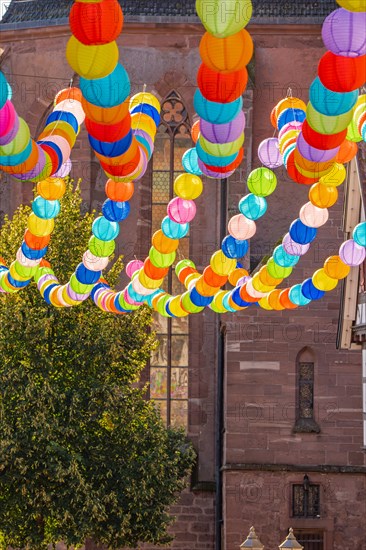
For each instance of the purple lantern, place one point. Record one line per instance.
(293, 248)
(211, 174)
(223, 133)
(352, 253)
(269, 153)
(343, 33)
(313, 154)
(36, 170)
(64, 170)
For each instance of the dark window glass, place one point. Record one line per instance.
(306, 501)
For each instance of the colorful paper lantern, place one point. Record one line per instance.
(352, 253)
(331, 103)
(181, 210)
(91, 61)
(252, 206)
(342, 74)
(221, 87)
(110, 91)
(269, 153)
(223, 18)
(96, 23)
(262, 182)
(188, 186)
(359, 234)
(343, 33)
(214, 112)
(240, 227)
(226, 54)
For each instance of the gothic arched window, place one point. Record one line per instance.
(169, 365)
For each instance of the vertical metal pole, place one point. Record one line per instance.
(219, 419)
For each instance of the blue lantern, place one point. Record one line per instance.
(234, 248)
(216, 113)
(282, 258)
(109, 91)
(174, 230)
(86, 276)
(301, 233)
(297, 297)
(46, 209)
(190, 162)
(331, 103)
(253, 207)
(104, 229)
(310, 291)
(115, 211)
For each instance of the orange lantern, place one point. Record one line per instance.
(226, 54)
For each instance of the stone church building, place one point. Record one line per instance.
(272, 401)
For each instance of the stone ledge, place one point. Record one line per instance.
(322, 468)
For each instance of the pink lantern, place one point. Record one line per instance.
(269, 153)
(139, 288)
(129, 300)
(60, 298)
(61, 143)
(313, 216)
(253, 292)
(181, 210)
(352, 253)
(94, 263)
(293, 248)
(8, 116)
(26, 262)
(295, 125)
(132, 266)
(240, 227)
(72, 106)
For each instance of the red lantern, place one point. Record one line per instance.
(221, 87)
(347, 151)
(342, 74)
(52, 154)
(295, 175)
(109, 132)
(96, 23)
(322, 141)
(230, 167)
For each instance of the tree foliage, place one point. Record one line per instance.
(82, 452)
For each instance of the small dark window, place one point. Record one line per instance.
(310, 540)
(306, 499)
(305, 421)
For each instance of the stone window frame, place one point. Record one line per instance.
(304, 424)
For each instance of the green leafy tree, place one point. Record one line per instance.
(83, 454)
